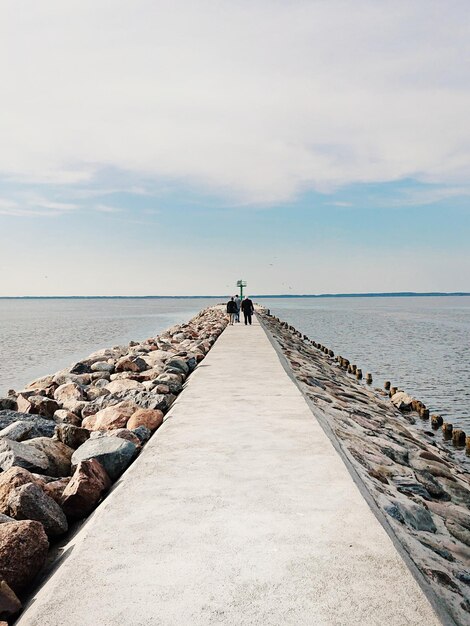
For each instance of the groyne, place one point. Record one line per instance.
(278, 490)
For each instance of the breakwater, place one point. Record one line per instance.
(66, 438)
(421, 486)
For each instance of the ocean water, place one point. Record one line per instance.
(39, 337)
(420, 344)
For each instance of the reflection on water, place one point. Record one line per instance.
(421, 344)
(38, 337)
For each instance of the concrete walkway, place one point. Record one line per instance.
(239, 511)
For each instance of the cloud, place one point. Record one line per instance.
(254, 101)
(106, 208)
(28, 205)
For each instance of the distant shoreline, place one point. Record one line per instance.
(399, 294)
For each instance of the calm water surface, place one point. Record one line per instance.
(39, 337)
(420, 344)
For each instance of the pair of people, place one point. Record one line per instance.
(233, 309)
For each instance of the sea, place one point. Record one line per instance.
(420, 344)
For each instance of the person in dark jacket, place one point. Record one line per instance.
(248, 310)
(231, 310)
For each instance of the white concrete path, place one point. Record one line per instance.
(239, 511)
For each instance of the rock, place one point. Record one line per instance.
(80, 368)
(41, 427)
(18, 431)
(457, 491)
(143, 433)
(394, 511)
(151, 418)
(102, 366)
(28, 542)
(178, 364)
(95, 392)
(126, 434)
(411, 488)
(115, 416)
(39, 405)
(11, 479)
(146, 400)
(117, 386)
(72, 436)
(13, 453)
(55, 488)
(5, 519)
(443, 579)
(459, 532)
(9, 603)
(432, 485)
(57, 453)
(430, 456)
(8, 403)
(415, 515)
(86, 488)
(114, 454)
(68, 393)
(67, 417)
(131, 364)
(29, 502)
(438, 549)
(433, 468)
(41, 383)
(402, 401)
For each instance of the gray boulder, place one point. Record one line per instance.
(14, 453)
(42, 427)
(114, 453)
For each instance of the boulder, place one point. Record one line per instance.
(118, 386)
(5, 519)
(14, 453)
(57, 453)
(67, 417)
(29, 502)
(72, 436)
(143, 433)
(151, 418)
(102, 366)
(68, 393)
(9, 603)
(86, 488)
(42, 427)
(402, 401)
(95, 392)
(115, 416)
(114, 454)
(39, 405)
(55, 488)
(41, 383)
(414, 515)
(131, 364)
(11, 479)
(28, 542)
(18, 431)
(8, 403)
(82, 367)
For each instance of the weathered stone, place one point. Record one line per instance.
(11, 479)
(95, 392)
(118, 386)
(114, 454)
(143, 433)
(80, 368)
(131, 364)
(9, 603)
(68, 393)
(13, 453)
(55, 488)
(41, 383)
(412, 488)
(457, 491)
(432, 485)
(57, 453)
(102, 366)
(5, 519)
(86, 488)
(402, 401)
(436, 469)
(38, 405)
(443, 579)
(151, 418)
(415, 515)
(8, 403)
(178, 364)
(29, 502)
(437, 548)
(67, 417)
(18, 431)
(459, 532)
(115, 416)
(72, 436)
(28, 542)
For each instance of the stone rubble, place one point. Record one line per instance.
(67, 437)
(421, 485)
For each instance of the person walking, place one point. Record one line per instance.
(238, 302)
(248, 310)
(231, 310)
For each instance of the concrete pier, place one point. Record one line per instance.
(239, 511)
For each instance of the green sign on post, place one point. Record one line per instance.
(241, 284)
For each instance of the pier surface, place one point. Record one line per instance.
(238, 511)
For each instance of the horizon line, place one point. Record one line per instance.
(389, 294)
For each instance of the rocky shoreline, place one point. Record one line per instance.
(421, 487)
(66, 438)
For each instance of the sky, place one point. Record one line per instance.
(171, 148)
